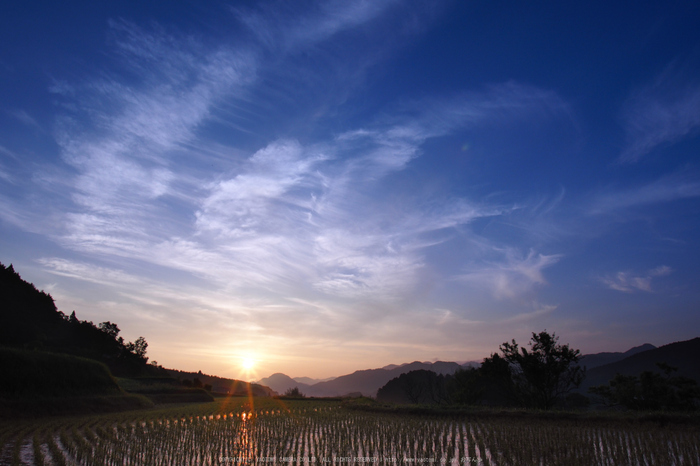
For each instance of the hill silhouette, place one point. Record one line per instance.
(684, 355)
(222, 385)
(27, 373)
(30, 320)
(310, 381)
(417, 387)
(366, 382)
(601, 367)
(28, 317)
(369, 381)
(280, 383)
(590, 361)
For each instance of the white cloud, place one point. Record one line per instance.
(495, 105)
(356, 265)
(9, 153)
(290, 215)
(540, 310)
(25, 118)
(666, 189)
(123, 140)
(628, 282)
(336, 16)
(278, 26)
(242, 204)
(662, 112)
(287, 232)
(513, 276)
(88, 272)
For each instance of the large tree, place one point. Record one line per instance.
(546, 372)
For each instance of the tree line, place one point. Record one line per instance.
(543, 375)
(29, 319)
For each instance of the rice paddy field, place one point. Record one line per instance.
(268, 431)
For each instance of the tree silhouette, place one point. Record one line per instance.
(416, 387)
(294, 392)
(467, 386)
(541, 376)
(110, 329)
(651, 391)
(29, 319)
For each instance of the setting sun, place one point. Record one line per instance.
(247, 364)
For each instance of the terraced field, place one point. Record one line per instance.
(318, 432)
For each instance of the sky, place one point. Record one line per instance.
(327, 186)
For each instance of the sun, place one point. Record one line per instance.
(248, 364)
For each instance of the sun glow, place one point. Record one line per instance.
(248, 364)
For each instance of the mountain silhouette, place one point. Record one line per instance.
(590, 361)
(281, 383)
(366, 382)
(310, 381)
(369, 381)
(684, 355)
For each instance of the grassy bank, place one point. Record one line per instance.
(165, 390)
(36, 384)
(26, 374)
(38, 407)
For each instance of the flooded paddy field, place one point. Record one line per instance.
(268, 431)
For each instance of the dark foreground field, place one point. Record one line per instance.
(272, 431)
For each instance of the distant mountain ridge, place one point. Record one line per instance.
(310, 381)
(591, 361)
(369, 381)
(601, 368)
(366, 381)
(281, 383)
(684, 355)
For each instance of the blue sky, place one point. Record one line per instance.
(332, 186)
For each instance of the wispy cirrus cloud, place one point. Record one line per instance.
(494, 105)
(295, 214)
(336, 16)
(540, 310)
(281, 170)
(25, 118)
(301, 210)
(124, 140)
(396, 139)
(665, 189)
(87, 272)
(513, 276)
(279, 26)
(663, 112)
(628, 282)
(282, 229)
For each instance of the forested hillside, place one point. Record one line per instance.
(29, 319)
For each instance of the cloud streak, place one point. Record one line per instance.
(630, 283)
(666, 189)
(662, 112)
(299, 27)
(514, 276)
(275, 227)
(290, 223)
